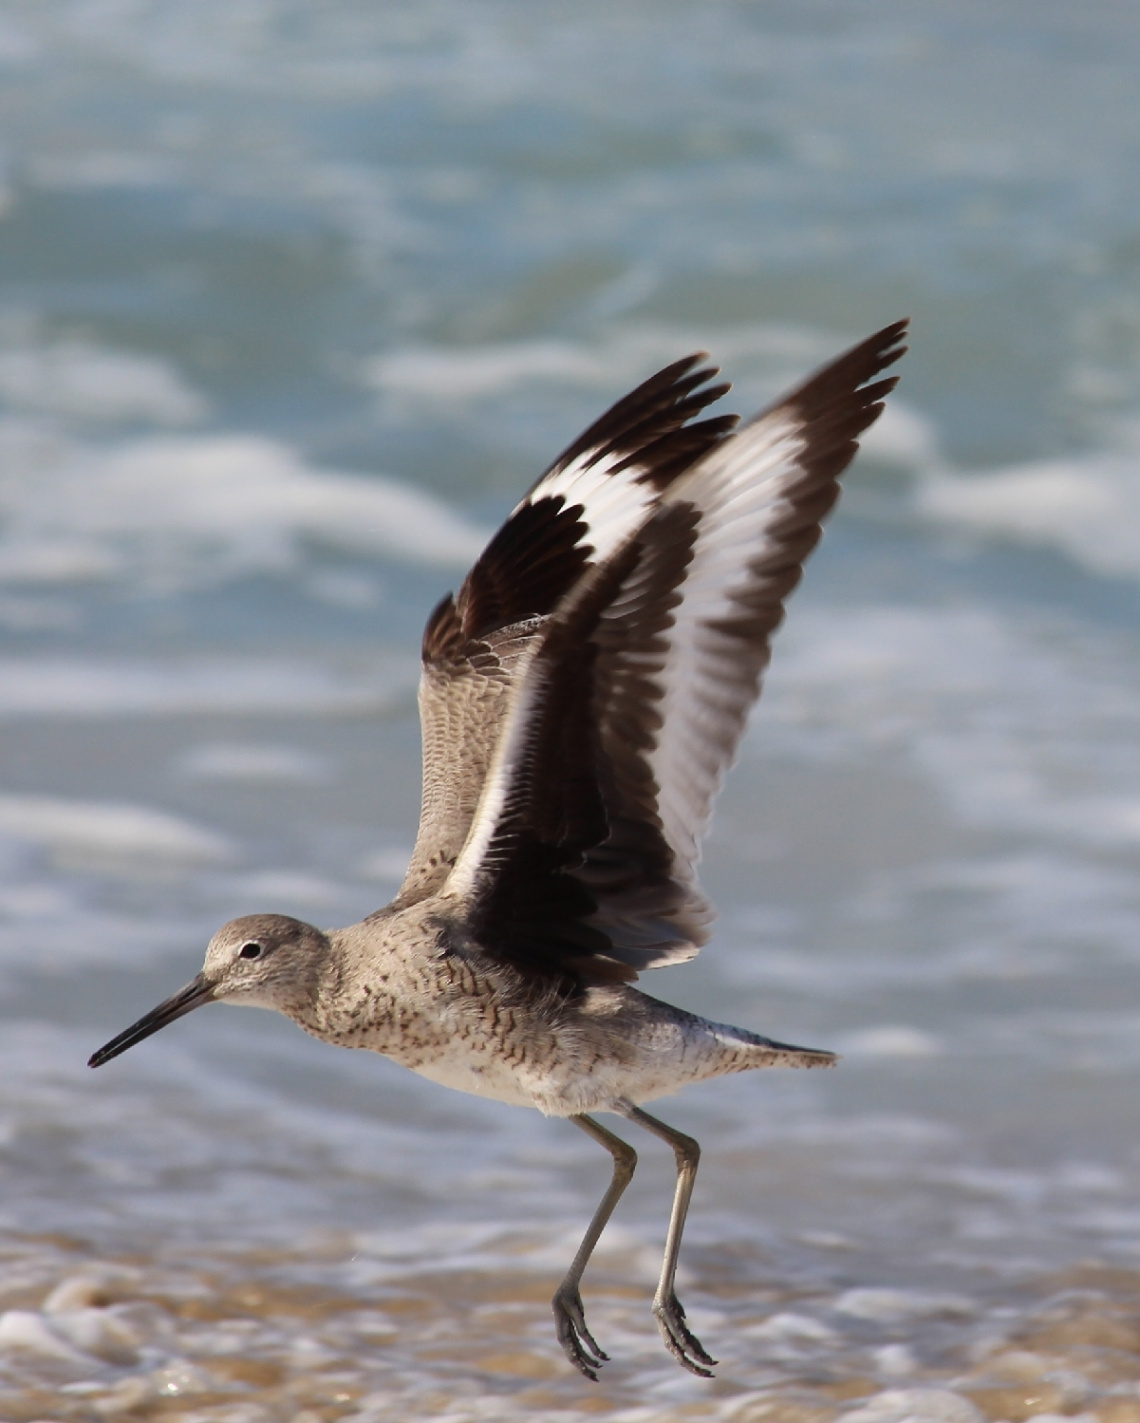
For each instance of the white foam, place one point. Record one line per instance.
(996, 711)
(915, 1405)
(175, 510)
(882, 1133)
(789, 1328)
(890, 1040)
(82, 687)
(106, 829)
(446, 375)
(1087, 507)
(888, 1306)
(763, 358)
(289, 886)
(26, 1331)
(902, 435)
(81, 380)
(100, 1333)
(895, 1360)
(256, 762)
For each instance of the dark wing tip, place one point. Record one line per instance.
(854, 368)
(649, 424)
(840, 400)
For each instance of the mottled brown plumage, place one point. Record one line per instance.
(582, 698)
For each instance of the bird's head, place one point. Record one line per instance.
(261, 960)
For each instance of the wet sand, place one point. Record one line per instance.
(331, 1332)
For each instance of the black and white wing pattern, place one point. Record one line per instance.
(582, 855)
(477, 643)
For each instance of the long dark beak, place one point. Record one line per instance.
(184, 1001)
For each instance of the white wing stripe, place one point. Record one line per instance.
(740, 490)
(613, 504)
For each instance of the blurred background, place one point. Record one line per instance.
(295, 300)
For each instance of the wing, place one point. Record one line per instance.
(583, 852)
(477, 644)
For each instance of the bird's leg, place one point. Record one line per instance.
(685, 1347)
(569, 1316)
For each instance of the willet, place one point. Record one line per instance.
(581, 699)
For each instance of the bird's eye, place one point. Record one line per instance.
(251, 951)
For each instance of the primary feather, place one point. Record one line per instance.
(619, 624)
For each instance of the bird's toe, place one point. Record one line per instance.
(577, 1342)
(679, 1339)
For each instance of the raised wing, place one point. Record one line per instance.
(582, 856)
(477, 644)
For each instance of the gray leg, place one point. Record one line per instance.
(569, 1317)
(685, 1347)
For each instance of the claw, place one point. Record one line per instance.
(577, 1342)
(679, 1339)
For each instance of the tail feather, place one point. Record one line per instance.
(756, 1051)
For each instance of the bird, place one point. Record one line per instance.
(581, 699)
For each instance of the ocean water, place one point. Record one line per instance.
(295, 299)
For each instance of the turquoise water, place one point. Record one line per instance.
(294, 301)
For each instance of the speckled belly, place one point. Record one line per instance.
(572, 1071)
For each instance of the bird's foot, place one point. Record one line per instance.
(679, 1339)
(577, 1341)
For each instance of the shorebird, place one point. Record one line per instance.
(581, 699)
